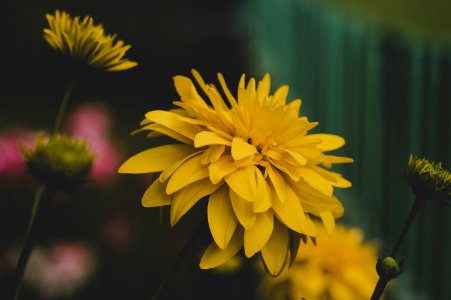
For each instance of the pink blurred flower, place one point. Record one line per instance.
(11, 141)
(60, 269)
(92, 121)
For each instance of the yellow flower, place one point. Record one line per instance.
(254, 160)
(340, 267)
(428, 180)
(86, 42)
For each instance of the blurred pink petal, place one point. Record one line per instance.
(61, 269)
(92, 121)
(11, 142)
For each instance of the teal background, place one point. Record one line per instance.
(378, 74)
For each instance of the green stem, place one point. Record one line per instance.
(27, 245)
(412, 214)
(62, 108)
(382, 282)
(195, 238)
(379, 289)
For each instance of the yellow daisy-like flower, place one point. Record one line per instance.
(86, 42)
(340, 267)
(253, 158)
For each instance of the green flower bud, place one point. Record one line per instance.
(60, 162)
(428, 179)
(388, 268)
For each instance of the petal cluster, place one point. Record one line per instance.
(265, 177)
(84, 41)
(337, 267)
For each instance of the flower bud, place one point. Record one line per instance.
(387, 267)
(60, 162)
(428, 179)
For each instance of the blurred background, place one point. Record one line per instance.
(375, 72)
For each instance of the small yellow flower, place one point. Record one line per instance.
(428, 180)
(338, 267)
(86, 42)
(253, 158)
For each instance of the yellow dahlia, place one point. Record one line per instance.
(84, 41)
(263, 174)
(339, 267)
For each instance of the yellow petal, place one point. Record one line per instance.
(280, 95)
(311, 200)
(293, 107)
(190, 171)
(174, 122)
(328, 142)
(334, 179)
(278, 182)
(188, 196)
(294, 158)
(158, 129)
(215, 256)
(243, 182)
(205, 138)
(331, 159)
(243, 210)
(156, 195)
(185, 87)
(155, 159)
(316, 181)
(256, 236)
(212, 154)
(262, 194)
(311, 228)
(328, 221)
(263, 88)
(241, 149)
(221, 218)
(222, 167)
(290, 212)
(171, 169)
(275, 252)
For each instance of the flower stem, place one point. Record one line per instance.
(30, 235)
(195, 238)
(382, 282)
(412, 214)
(62, 108)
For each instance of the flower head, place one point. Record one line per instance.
(428, 179)
(338, 267)
(60, 161)
(253, 158)
(84, 41)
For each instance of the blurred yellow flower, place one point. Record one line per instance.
(253, 158)
(86, 42)
(340, 267)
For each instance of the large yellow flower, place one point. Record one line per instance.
(340, 267)
(86, 42)
(253, 158)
